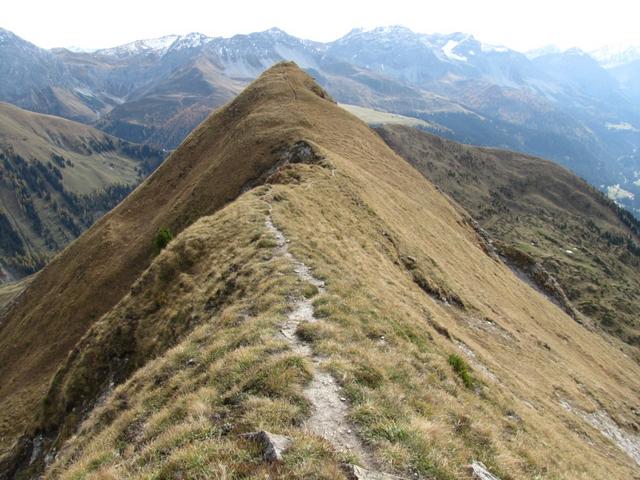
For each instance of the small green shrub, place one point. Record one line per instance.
(162, 239)
(462, 369)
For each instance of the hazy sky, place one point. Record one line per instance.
(519, 24)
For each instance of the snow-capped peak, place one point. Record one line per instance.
(391, 29)
(157, 45)
(614, 55)
(383, 32)
(190, 40)
(575, 51)
(275, 31)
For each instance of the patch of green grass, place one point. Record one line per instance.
(311, 457)
(462, 369)
(309, 332)
(369, 376)
(162, 239)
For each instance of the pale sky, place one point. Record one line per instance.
(519, 24)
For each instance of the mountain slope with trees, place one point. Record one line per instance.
(56, 178)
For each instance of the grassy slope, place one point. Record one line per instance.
(544, 210)
(8, 291)
(56, 178)
(36, 135)
(374, 229)
(208, 171)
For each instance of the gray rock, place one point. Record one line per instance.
(273, 445)
(410, 263)
(355, 472)
(480, 472)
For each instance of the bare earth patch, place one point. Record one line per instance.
(601, 421)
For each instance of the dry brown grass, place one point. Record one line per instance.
(541, 209)
(89, 277)
(351, 219)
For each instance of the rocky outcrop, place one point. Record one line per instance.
(538, 275)
(478, 471)
(273, 445)
(355, 472)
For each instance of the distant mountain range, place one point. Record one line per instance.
(581, 110)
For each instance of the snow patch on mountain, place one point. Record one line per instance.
(487, 48)
(448, 51)
(156, 45)
(615, 192)
(622, 126)
(76, 49)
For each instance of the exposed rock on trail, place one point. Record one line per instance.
(274, 445)
(480, 472)
(358, 473)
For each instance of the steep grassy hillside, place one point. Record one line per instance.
(56, 178)
(317, 287)
(542, 213)
(8, 291)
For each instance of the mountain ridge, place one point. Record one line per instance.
(195, 340)
(113, 271)
(481, 94)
